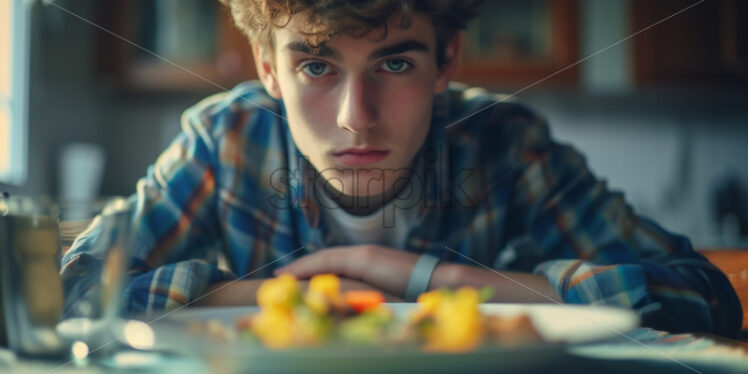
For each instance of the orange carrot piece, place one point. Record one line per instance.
(363, 300)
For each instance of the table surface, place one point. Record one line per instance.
(734, 263)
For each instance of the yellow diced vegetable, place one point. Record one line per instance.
(274, 326)
(458, 323)
(282, 291)
(317, 302)
(326, 284)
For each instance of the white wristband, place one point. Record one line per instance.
(420, 277)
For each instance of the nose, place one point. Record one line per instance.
(357, 111)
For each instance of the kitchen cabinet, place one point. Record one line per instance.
(706, 44)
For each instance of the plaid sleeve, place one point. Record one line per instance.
(594, 249)
(176, 234)
(170, 286)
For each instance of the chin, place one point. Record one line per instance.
(362, 190)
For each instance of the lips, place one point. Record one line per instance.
(360, 156)
(360, 150)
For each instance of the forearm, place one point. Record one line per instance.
(232, 293)
(244, 292)
(509, 287)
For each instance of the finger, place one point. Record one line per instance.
(295, 268)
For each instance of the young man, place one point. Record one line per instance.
(354, 155)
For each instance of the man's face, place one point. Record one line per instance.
(371, 94)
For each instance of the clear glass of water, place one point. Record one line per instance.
(48, 309)
(93, 278)
(30, 285)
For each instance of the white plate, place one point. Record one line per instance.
(559, 325)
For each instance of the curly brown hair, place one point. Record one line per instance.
(322, 19)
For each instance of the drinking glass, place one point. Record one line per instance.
(94, 278)
(34, 296)
(30, 285)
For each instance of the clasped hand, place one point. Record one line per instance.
(385, 268)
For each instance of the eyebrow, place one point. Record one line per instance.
(397, 48)
(325, 51)
(321, 51)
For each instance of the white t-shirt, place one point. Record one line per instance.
(388, 226)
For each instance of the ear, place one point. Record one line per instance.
(266, 71)
(447, 71)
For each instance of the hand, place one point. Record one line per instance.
(385, 268)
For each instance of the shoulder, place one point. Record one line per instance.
(222, 112)
(223, 128)
(496, 126)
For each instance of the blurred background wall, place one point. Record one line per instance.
(662, 116)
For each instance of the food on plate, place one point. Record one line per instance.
(443, 320)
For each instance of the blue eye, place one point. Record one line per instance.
(316, 69)
(396, 65)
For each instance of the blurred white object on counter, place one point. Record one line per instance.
(81, 172)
